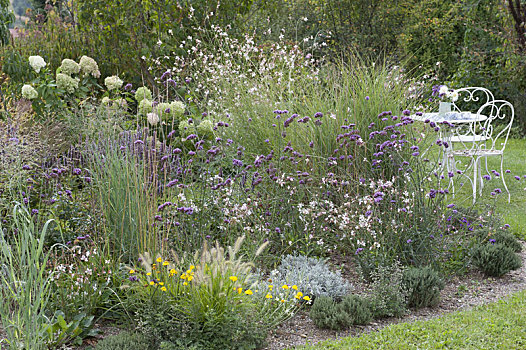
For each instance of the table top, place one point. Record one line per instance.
(451, 117)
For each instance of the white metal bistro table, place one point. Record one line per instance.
(449, 124)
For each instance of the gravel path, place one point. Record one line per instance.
(459, 294)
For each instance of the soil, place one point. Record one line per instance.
(460, 293)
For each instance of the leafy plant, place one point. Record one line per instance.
(6, 18)
(326, 313)
(389, 295)
(358, 308)
(506, 238)
(125, 341)
(423, 286)
(312, 276)
(495, 259)
(59, 332)
(25, 280)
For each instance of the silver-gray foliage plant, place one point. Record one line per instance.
(312, 276)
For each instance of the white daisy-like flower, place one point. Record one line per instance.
(443, 90)
(453, 96)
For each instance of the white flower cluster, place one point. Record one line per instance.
(65, 82)
(37, 63)
(143, 93)
(113, 82)
(89, 66)
(28, 92)
(69, 67)
(153, 118)
(156, 112)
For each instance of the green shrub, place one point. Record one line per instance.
(388, 293)
(358, 308)
(326, 313)
(124, 341)
(506, 238)
(495, 259)
(423, 285)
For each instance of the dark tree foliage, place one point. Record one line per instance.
(518, 12)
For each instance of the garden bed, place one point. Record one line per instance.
(460, 293)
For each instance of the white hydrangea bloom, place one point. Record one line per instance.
(206, 127)
(89, 66)
(105, 101)
(153, 118)
(65, 82)
(177, 108)
(145, 107)
(28, 92)
(113, 82)
(143, 93)
(69, 67)
(37, 63)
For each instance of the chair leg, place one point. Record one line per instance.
(475, 179)
(503, 177)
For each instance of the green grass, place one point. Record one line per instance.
(512, 213)
(500, 325)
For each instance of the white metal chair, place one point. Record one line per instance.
(470, 99)
(487, 144)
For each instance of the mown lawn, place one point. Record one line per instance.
(500, 325)
(513, 213)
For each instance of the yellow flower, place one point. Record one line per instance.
(163, 289)
(270, 286)
(185, 283)
(132, 271)
(152, 283)
(295, 287)
(306, 298)
(233, 278)
(239, 290)
(282, 300)
(285, 286)
(173, 272)
(190, 278)
(298, 295)
(192, 267)
(159, 259)
(165, 263)
(268, 296)
(183, 276)
(248, 292)
(161, 283)
(149, 274)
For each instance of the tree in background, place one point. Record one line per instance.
(518, 11)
